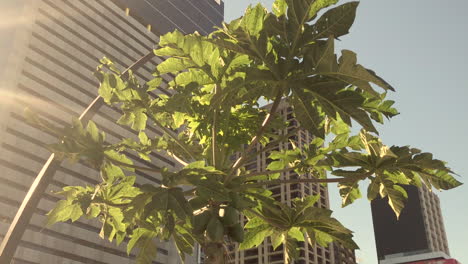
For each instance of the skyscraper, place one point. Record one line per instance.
(419, 229)
(309, 254)
(55, 46)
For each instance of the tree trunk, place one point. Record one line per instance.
(215, 253)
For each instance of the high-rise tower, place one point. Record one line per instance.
(419, 230)
(309, 254)
(55, 46)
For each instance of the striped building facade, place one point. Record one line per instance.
(55, 47)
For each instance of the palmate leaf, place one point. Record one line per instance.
(280, 7)
(255, 236)
(326, 231)
(334, 100)
(397, 196)
(433, 172)
(167, 200)
(184, 242)
(174, 65)
(347, 70)
(307, 113)
(252, 21)
(143, 239)
(63, 211)
(335, 22)
(393, 166)
(299, 12)
(349, 192)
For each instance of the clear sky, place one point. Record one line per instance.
(421, 48)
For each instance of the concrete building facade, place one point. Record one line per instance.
(309, 254)
(53, 51)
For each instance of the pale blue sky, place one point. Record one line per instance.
(420, 47)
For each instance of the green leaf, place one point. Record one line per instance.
(296, 233)
(253, 19)
(93, 132)
(255, 236)
(184, 244)
(105, 89)
(308, 115)
(140, 120)
(254, 222)
(63, 211)
(277, 238)
(334, 100)
(114, 155)
(335, 22)
(350, 72)
(179, 204)
(154, 83)
(173, 65)
(349, 192)
(143, 239)
(143, 138)
(169, 51)
(318, 5)
(397, 196)
(111, 172)
(279, 7)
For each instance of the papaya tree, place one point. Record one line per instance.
(213, 122)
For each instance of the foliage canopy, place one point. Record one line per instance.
(214, 113)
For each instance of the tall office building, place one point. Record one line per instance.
(54, 47)
(309, 254)
(419, 231)
(343, 255)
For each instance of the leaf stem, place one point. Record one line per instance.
(133, 166)
(214, 132)
(253, 174)
(275, 182)
(314, 180)
(182, 162)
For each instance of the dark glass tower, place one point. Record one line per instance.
(420, 228)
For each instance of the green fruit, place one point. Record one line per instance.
(215, 229)
(236, 232)
(231, 217)
(200, 222)
(198, 202)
